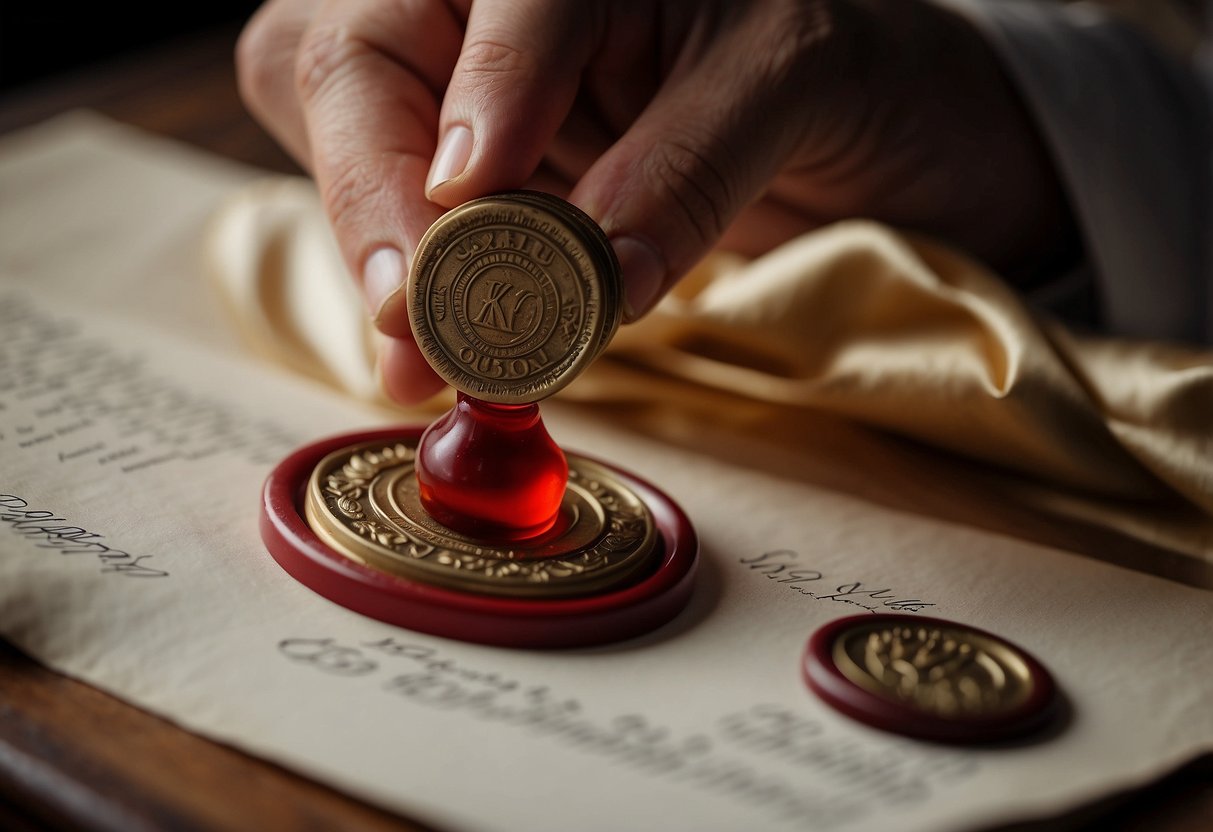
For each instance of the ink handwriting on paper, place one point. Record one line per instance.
(52, 532)
(782, 764)
(782, 566)
(74, 402)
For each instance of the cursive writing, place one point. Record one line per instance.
(903, 773)
(49, 531)
(80, 402)
(789, 767)
(782, 566)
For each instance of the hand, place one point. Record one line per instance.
(677, 126)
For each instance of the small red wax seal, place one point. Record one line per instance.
(929, 678)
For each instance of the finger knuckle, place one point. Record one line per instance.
(699, 186)
(492, 64)
(352, 194)
(794, 34)
(257, 52)
(323, 54)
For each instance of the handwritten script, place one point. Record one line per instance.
(785, 764)
(50, 531)
(783, 566)
(79, 403)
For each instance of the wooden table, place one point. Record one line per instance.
(73, 756)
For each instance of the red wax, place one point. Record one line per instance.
(491, 470)
(620, 613)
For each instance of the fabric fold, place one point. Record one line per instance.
(855, 319)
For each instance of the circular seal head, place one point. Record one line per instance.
(929, 678)
(512, 296)
(362, 501)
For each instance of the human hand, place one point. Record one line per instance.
(676, 126)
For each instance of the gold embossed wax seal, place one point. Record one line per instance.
(512, 296)
(928, 678)
(362, 501)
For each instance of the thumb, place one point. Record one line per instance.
(706, 146)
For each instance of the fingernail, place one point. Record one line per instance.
(643, 274)
(451, 158)
(382, 275)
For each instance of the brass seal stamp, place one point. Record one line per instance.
(512, 296)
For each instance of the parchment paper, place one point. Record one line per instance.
(133, 441)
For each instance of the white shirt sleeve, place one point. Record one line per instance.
(1130, 131)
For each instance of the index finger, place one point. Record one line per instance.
(370, 77)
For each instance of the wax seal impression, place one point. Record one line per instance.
(362, 501)
(511, 296)
(343, 516)
(929, 678)
(480, 527)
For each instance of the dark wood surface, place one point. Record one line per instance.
(185, 89)
(74, 757)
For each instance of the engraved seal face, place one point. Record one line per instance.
(512, 296)
(363, 502)
(929, 678)
(945, 671)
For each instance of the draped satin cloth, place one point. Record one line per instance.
(855, 319)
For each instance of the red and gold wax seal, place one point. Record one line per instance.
(481, 528)
(929, 678)
(620, 562)
(363, 501)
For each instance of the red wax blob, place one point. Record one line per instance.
(491, 470)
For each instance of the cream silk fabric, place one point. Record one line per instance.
(855, 319)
